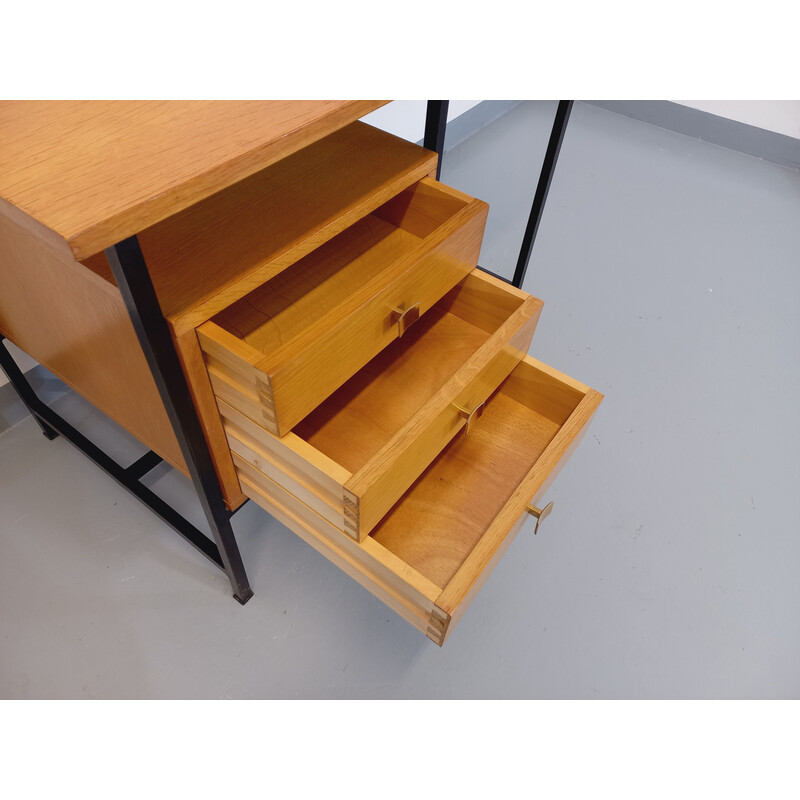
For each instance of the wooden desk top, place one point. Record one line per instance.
(96, 172)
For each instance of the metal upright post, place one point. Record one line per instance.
(542, 188)
(435, 129)
(133, 280)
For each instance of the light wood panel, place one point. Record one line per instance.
(75, 323)
(361, 417)
(306, 331)
(388, 423)
(444, 515)
(194, 368)
(95, 172)
(282, 506)
(397, 465)
(296, 458)
(414, 591)
(212, 254)
(258, 464)
(274, 315)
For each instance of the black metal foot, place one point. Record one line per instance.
(50, 434)
(245, 596)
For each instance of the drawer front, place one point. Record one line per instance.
(483, 326)
(432, 552)
(293, 342)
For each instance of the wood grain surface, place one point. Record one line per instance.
(210, 255)
(194, 368)
(456, 520)
(75, 323)
(275, 314)
(443, 516)
(96, 172)
(400, 462)
(322, 319)
(361, 417)
(403, 589)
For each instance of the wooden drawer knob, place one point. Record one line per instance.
(539, 513)
(405, 318)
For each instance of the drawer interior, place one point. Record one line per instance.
(361, 417)
(439, 521)
(274, 318)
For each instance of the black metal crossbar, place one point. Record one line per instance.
(53, 424)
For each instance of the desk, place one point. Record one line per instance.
(128, 228)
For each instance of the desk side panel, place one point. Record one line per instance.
(75, 323)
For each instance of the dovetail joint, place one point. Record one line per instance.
(350, 505)
(438, 624)
(263, 389)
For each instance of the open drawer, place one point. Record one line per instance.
(353, 457)
(302, 334)
(431, 553)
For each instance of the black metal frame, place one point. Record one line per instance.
(435, 130)
(53, 425)
(133, 280)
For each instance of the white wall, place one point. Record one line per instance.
(778, 116)
(406, 118)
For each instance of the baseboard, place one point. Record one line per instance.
(770, 146)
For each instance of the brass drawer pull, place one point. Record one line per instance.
(539, 513)
(469, 416)
(405, 318)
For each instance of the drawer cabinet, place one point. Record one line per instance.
(376, 397)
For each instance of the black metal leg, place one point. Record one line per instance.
(133, 280)
(435, 128)
(23, 389)
(542, 188)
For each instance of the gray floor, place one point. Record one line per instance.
(669, 568)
